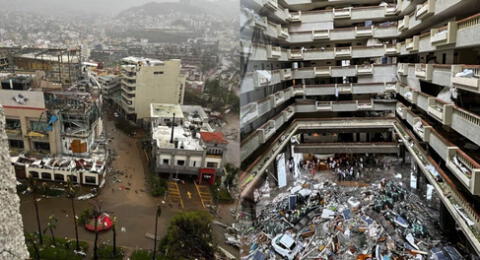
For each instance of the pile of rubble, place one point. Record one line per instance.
(326, 221)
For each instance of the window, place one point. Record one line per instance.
(157, 72)
(194, 163)
(41, 146)
(12, 123)
(16, 144)
(46, 175)
(90, 180)
(166, 161)
(212, 165)
(39, 126)
(59, 177)
(34, 175)
(73, 178)
(180, 162)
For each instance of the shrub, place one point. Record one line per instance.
(158, 186)
(106, 252)
(64, 249)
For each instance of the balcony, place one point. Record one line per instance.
(425, 10)
(363, 31)
(392, 49)
(299, 91)
(343, 52)
(324, 34)
(282, 32)
(248, 113)
(465, 169)
(261, 22)
(402, 69)
(403, 24)
(323, 105)
(266, 131)
(288, 113)
(440, 110)
(278, 98)
(262, 78)
(466, 77)
(411, 44)
(322, 71)
(401, 110)
(468, 31)
(295, 17)
(274, 52)
(342, 13)
(391, 10)
(271, 4)
(444, 35)
(14, 132)
(286, 74)
(365, 69)
(295, 54)
(128, 83)
(424, 71)
(364, 104)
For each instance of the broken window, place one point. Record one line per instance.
(12, 124)
(212, 165)
(73, 178)
(40, 146)
(34, 175)
(59, 177)
(46, 175)
(90, 180)
(166, 161)
(180, 162)
(16, 144)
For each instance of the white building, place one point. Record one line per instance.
(145, 81)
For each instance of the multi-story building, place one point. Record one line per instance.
(184, 144)
(396, 77)
(53, 134)
(145, 81)
(61, 66)
(110, 86)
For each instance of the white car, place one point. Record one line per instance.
(285, 246)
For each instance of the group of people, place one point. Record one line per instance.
(347, 167)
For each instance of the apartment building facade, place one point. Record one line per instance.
(184, 144)
(145, 81)
(409, 68)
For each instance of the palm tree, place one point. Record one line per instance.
(52, 224)
(71, 194)
(157, 215)
(32, 186)
(114, 236)
(96, 214)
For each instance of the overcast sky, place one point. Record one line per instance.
(108, 7)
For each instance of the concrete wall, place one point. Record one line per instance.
(12, 239)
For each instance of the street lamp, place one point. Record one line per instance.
(157, 215)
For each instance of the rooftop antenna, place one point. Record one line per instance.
(173, 128)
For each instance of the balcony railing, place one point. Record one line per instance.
(444, 35)
(466, 77)
(342, 13)
(403, 24)
(295, 54)
(267, 130)
(426, 9)
(364, 69)
(412, 43)
(248, 113)
(363, 31)
(295, 17)
(343, 52)
(323, 105)
(324, 34)
(424, 71)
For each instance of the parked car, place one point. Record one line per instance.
(286, 246)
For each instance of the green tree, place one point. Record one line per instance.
(189, 236)
(51, 226)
